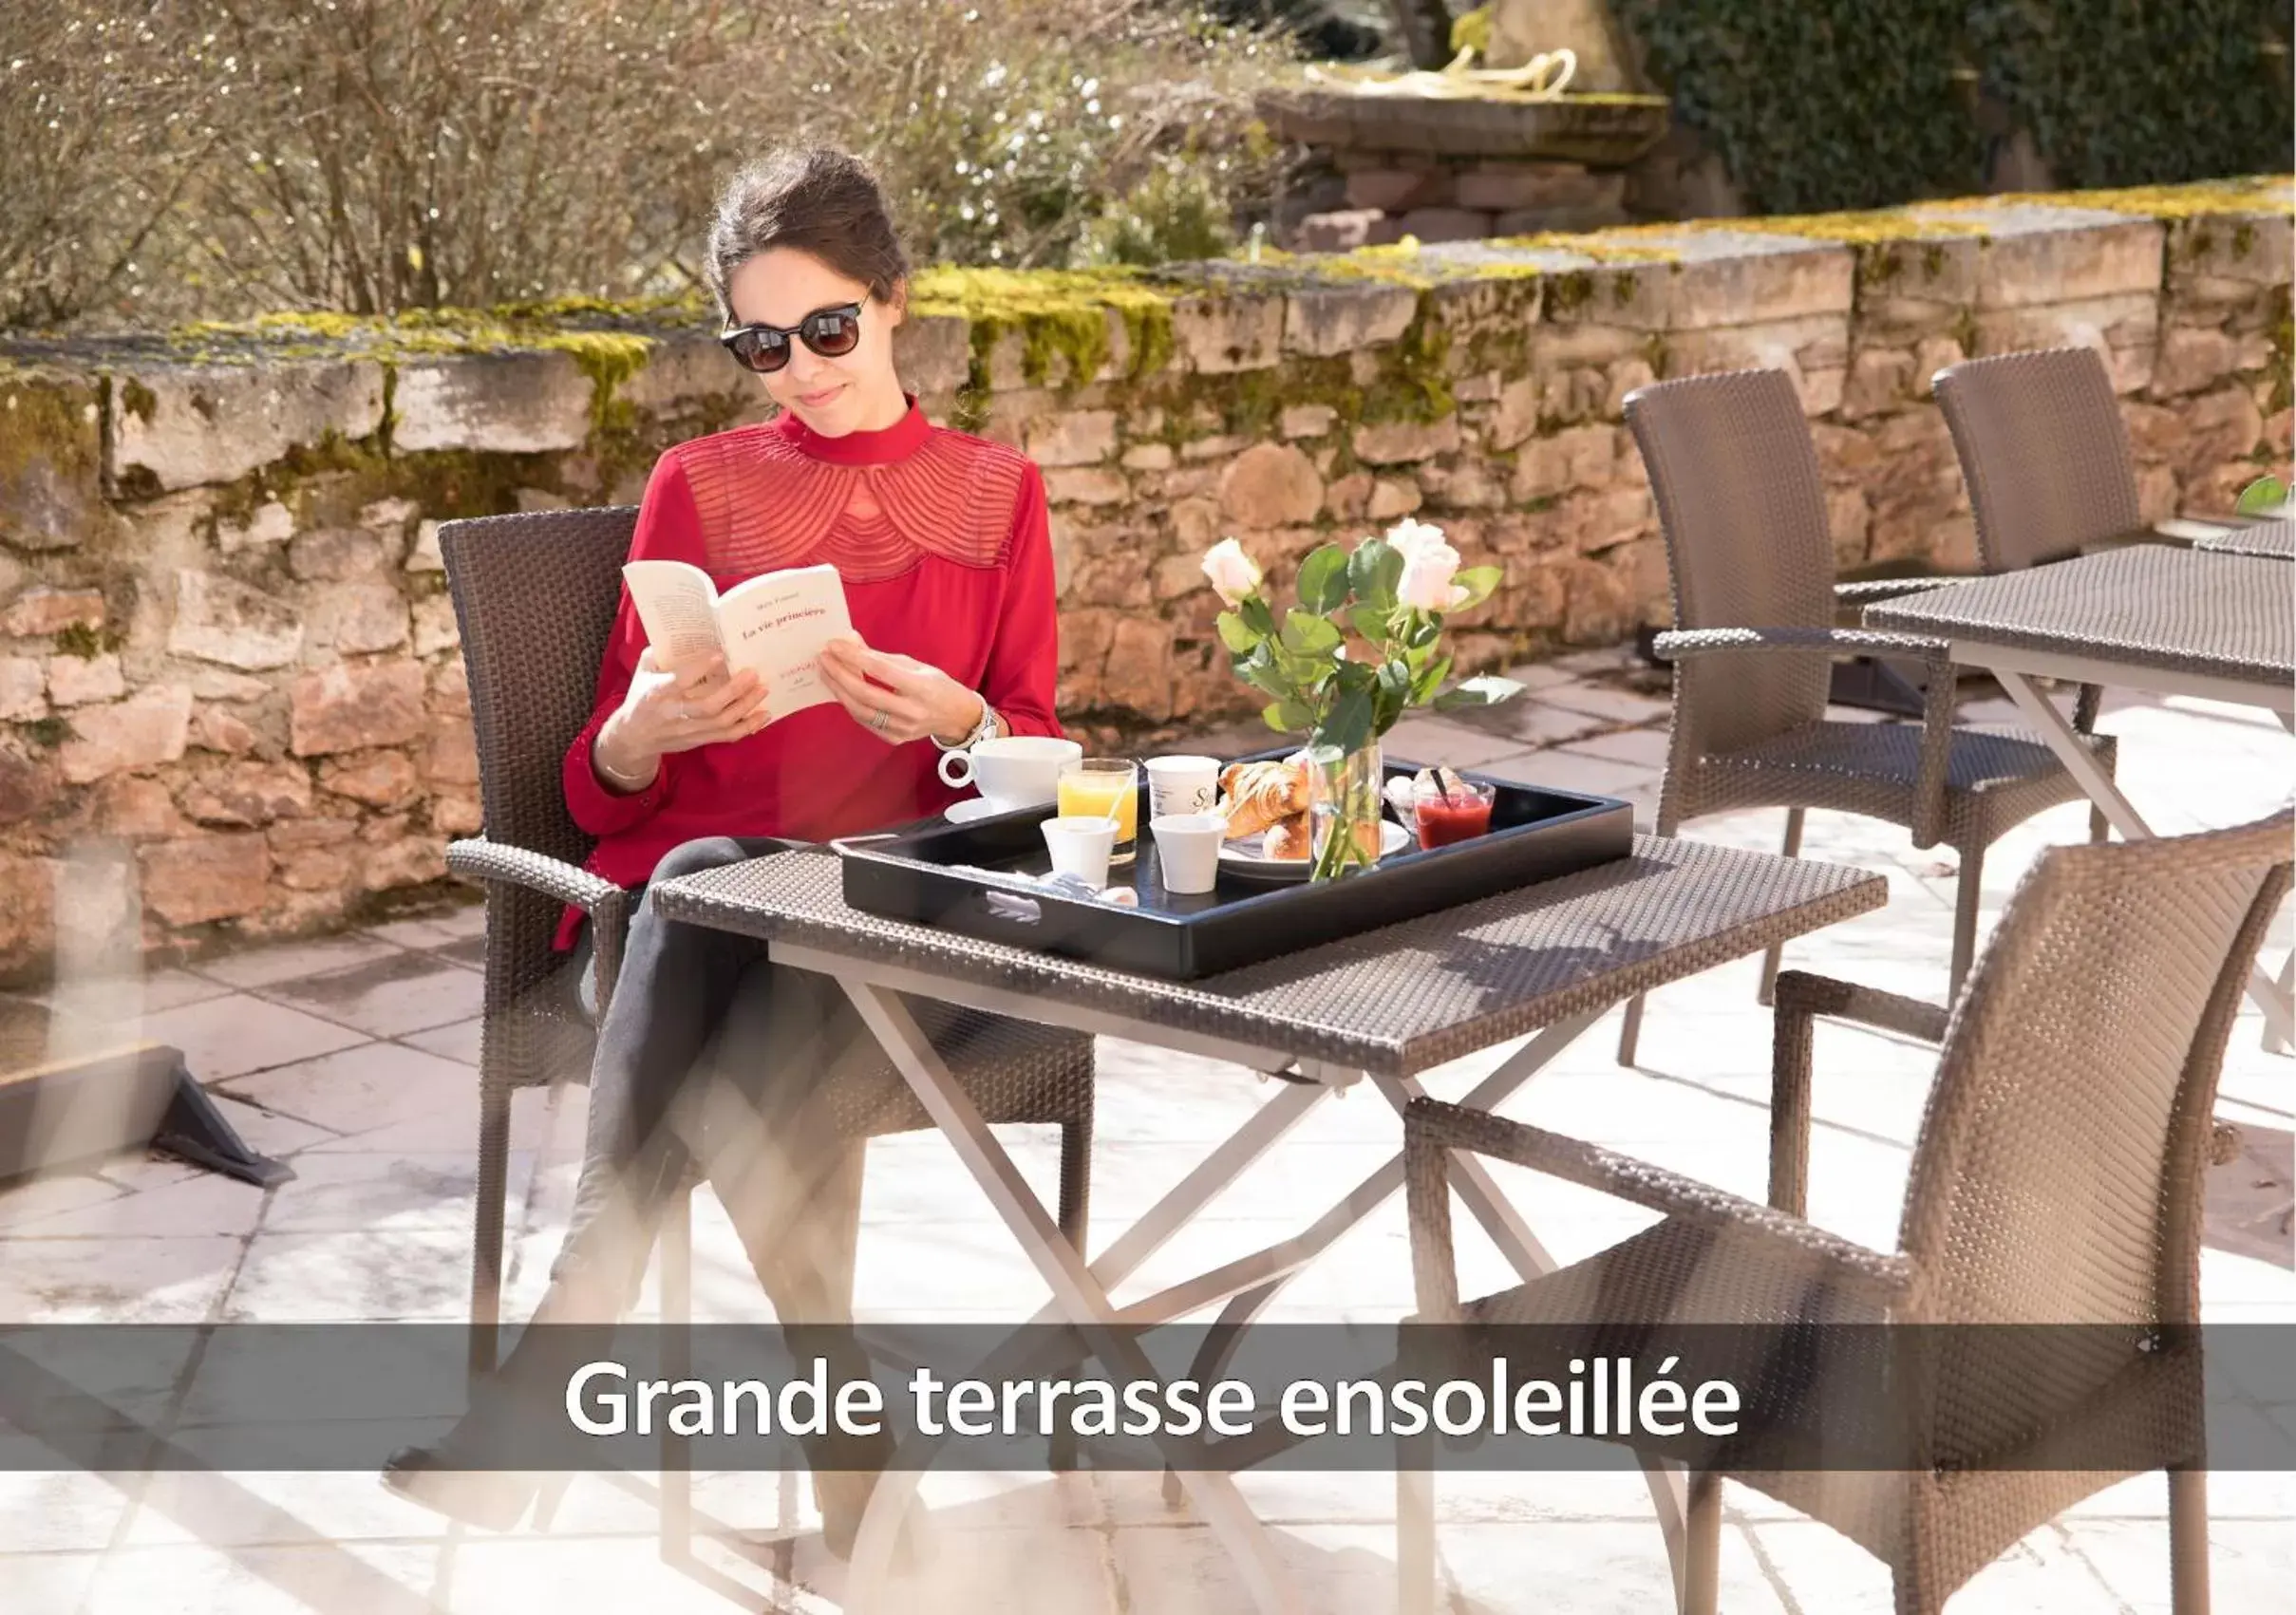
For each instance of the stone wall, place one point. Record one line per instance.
(230, 699)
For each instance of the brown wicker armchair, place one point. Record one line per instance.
(2056, 1179)
(2044, 453)
(535, 597)
(1750, 565)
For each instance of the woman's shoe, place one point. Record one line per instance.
(844, 1500)
(491, 1500)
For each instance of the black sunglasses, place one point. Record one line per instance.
(831, 332)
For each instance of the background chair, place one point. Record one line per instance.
(2044, 453)
(535, 597)
(1750, 563)
(2056, 1180)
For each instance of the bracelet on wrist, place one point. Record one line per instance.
(987, 727)
(621, 782)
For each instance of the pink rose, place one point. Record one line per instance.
(1409, 537)
(1233, 574)
(1427, 572)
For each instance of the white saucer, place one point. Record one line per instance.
(1243, 857)
(970, 809)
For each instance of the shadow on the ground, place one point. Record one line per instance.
(2246, 1199)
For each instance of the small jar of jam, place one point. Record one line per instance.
(1459, 814)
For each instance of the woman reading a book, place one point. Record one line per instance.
(705, 1052)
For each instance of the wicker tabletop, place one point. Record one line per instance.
(2149, 606)
(2275, 538)
(1391, 1002)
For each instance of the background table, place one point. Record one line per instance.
(2149, 617)
(2276, 539)
(1378, 1007)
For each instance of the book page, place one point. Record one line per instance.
(777, 624)
(678, 605)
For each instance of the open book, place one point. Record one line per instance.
(774, 623)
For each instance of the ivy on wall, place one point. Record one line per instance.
(1818, 105)
(2135, 92)
(1822, 104)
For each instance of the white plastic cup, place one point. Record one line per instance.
(1188, 849)
(1178, 785)
(1080, 847)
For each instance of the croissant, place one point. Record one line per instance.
(1289, 840)
(1259, 794)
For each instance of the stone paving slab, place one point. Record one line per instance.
(352, 1058)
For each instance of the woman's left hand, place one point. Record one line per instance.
(897, 697)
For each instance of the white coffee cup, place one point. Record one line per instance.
(1183, 785)
(1015, 771)
(1080, 847)
(1188, 850)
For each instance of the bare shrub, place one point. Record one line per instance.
(373, 155)
(377, 155)
(94, 152)
(1028, 132)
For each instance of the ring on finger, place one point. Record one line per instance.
(882, 723)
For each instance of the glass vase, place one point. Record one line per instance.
(1344, 807)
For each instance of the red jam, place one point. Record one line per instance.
(1444, 820)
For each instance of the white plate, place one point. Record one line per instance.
(970, 809)
(1243, 857)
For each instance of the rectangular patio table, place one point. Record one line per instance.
(2150, 617)
(2275, 538)
(1380, 1007)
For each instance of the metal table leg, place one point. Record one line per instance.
(2273, 997)
(1082, 1298)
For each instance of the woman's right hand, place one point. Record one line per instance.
(674, 709)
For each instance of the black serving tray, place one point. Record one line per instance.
(1535, 834)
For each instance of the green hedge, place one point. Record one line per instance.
(2141, 92)
(1822, 104)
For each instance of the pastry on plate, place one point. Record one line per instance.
(1289, 840)
(1261, 794)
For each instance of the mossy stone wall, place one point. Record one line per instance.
(231, 693)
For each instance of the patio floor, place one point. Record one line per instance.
(352, 1057)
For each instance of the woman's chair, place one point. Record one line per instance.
(2056, 1180)
(535, 597)
(1750, 562)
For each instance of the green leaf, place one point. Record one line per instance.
(1424, 633)
(1479, 583)
(1307, 634)
(2266, 493)
(1375, 623)
(1256, 615)
(1236, 633)
(1392, 696)
(1288, 717)
(1347, 728)
(1430, 679)
(1373, 571)
(1488, 690)
(1323, 580)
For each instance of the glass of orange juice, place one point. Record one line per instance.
(1097, 787)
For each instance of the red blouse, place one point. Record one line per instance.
(950, 561)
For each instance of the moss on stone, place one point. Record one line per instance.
(2248, 194)
(44, 421)
(79, 639)
(1061, 316)
(1568, 293)
(139, 399)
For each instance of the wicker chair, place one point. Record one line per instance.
(2044, 453)
(535, 597)
(1750, 565)
(2056, 1179)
